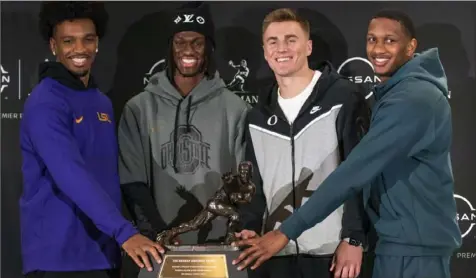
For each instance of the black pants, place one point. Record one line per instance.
(115, 273)
(304, 266)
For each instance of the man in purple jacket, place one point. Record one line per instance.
(71, 222)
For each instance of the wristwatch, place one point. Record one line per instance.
(353, 242)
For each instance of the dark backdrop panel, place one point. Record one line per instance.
(136, 45)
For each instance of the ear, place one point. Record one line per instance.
(309, 48)
(411, 47)
(53, 46)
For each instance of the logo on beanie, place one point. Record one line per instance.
(189, 18)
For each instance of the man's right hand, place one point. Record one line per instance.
(246, 234)
(137, 247)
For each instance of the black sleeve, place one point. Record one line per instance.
(133, 156)
(352, 124)
(252, 214)
(141, 206)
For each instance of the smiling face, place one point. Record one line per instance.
(286, 47)
(388, 46)
(74, 44)
(189, 53)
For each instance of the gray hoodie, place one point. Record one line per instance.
(175, 149)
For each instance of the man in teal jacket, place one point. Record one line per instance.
(402, 164)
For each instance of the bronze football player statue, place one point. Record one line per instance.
(236, 189)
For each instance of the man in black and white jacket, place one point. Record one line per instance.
(299, 132)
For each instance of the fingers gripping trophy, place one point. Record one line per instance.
(209, 261)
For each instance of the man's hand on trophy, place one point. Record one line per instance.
(137, 248)
(260, 249)
(246, 234)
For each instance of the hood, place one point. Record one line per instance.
(269, 98)
(60, 73)
(207, 88)
(424, 66)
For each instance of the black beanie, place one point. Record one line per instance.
(196, 17)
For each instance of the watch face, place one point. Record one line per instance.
(354, 242)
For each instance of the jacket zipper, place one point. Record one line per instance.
(293, 167)
(293, 173)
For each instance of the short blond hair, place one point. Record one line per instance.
(285, 14)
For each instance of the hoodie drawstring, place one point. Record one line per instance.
(177, 113)
(188, 113)
(176, 128)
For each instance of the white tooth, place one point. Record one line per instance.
(79, 60)
(189, 60)
(283, 59)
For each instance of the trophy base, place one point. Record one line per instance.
(196, 261)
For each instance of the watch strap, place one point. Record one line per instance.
(353, 242)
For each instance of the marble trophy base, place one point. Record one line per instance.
(196, 261)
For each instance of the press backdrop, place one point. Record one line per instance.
(134, 48)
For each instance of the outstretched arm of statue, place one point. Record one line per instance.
(231, 64)
(168, 236)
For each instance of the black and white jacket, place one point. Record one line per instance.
(329, 125)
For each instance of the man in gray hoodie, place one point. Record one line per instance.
(180, 135)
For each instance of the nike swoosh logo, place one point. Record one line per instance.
(78, 120)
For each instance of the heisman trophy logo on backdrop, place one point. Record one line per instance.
(237, 83)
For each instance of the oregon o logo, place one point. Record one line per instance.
(272, 120)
